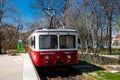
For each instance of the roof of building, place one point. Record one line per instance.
(117, 35)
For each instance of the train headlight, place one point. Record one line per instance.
(47, 58)
(69, 57)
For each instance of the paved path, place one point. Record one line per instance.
(10, 67)
(111, 56)
(18, 67)
(28, 69)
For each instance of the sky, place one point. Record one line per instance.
(26, 14)
(23, 6)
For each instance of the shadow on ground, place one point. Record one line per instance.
(84, 66)
(57, 71)
(66, 71)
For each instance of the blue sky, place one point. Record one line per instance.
(23, 6)
(26, 12)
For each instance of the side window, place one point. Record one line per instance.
(33, 41)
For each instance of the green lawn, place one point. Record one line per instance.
(103, 75)
(105, 51)
(23, 51)
(114, 52)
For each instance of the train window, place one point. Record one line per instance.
(67, 41)
(48, 42)
(33, 41)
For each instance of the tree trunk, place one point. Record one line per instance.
(110, 34)
(0, 40)
(0, 49)
(110, 40)
(0, 43)
(1, 13)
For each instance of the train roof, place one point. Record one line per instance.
(55, 30)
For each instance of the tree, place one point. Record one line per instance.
(10, 38)
(5, 10)
(94, 21)
(33, 26)
(117, 24)
(109, 7)
(50, 8)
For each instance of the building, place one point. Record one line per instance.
(116, 41)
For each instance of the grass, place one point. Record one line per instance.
(23, 51)
(106, 75)
(105, 51)
(114, 52)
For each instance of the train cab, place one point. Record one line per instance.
(51, 47)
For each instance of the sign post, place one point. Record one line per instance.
(19, 47)
(19, 44)
(20, 28)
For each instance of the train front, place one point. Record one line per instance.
(56, 48)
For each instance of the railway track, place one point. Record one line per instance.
(56, 72)
(60, 73)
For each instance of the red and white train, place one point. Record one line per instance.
(51, 47)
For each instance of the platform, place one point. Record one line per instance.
(18, 67)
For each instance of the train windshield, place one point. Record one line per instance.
(48, 42)
(67, 41)
(51, 42)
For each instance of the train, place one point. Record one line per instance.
(53, 47)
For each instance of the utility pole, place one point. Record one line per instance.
(47, 10)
